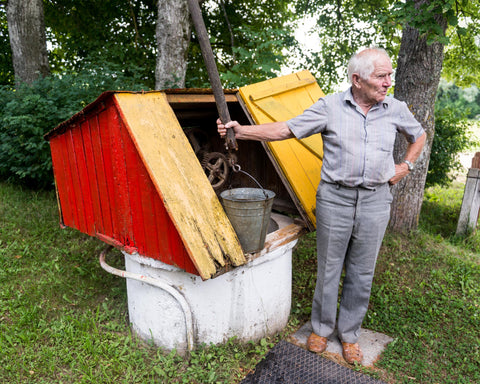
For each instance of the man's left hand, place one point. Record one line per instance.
(401, 170)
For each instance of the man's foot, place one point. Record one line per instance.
(316, 343)
(352, 353)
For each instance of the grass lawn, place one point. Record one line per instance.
(64, 320)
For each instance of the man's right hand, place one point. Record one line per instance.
(222, 128)
(263, 132)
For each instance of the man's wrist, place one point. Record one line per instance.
(409, 165)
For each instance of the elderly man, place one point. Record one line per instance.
(358, 129)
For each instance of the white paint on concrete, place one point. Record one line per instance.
(249, 302)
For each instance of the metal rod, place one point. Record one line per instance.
(174, 292)
(212, 71)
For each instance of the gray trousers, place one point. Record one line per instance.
(351, 224)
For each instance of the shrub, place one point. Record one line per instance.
(30, 111)
(452, 136)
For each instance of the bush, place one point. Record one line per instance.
(452, 136)
(30, 111)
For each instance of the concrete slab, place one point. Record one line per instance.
(372, 344)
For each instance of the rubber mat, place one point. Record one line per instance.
(288, 364)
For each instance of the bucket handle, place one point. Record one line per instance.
(237, 169)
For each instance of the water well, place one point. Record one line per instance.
(132, 170)
(249, 302)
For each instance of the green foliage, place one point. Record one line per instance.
(462, 52)
(250, 40)
(453, 133)
(343, 28)
(426, 296)
(29, 112)
(461, 63)
(259, 59)
(304, 266)
(466, 100)
(92, 32)
(427, 17)
(441, 208)
(346, 26)
(452, 136)
(6, 66)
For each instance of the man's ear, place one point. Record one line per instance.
(356, 80)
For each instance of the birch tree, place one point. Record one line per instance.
(173, 37)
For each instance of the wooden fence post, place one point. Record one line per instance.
(469, 212)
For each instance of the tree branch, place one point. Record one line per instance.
(229, 26)
(135, 24)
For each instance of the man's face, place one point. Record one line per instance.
(374, 89)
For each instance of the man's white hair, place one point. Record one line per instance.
(363, 62)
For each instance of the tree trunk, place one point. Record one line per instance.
(417, 76)
(173, 37)
(26, 28)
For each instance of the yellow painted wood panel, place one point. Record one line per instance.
(181, 182)
(280, 99)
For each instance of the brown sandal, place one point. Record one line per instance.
(352, 353)
(317, 344)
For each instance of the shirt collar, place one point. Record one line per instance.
(348, 96)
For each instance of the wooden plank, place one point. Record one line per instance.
(92, 176)
(280, 237)
(469, 212)
(164, 226)
(62, 179)
(83, 177)
(197, 98)
(135, 172)
(123, 211)
(107, 225)
(148, 199)
(78, 205)
(109, 194)
(178, 177)
(281, 88)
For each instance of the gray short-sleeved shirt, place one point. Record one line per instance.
(358, 149)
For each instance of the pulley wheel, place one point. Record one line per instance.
(215, 165)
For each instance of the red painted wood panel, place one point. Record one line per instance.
(135, 174)
(77, 204)
(109, 193)
(122, 210)
(105, 190)
(97, 218)
(70, 196)
(83, 180)
(62, 179)
(107, 228)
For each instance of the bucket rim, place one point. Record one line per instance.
(233, 194)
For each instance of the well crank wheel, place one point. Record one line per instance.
(216, 167)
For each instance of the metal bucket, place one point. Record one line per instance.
(249, 212)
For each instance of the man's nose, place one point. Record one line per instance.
(388, 81)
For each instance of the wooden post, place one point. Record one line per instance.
(469, 212)
(212, 71)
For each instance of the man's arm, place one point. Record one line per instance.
(413, 151)
(263, 132)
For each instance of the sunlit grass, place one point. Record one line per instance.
(64, 320)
